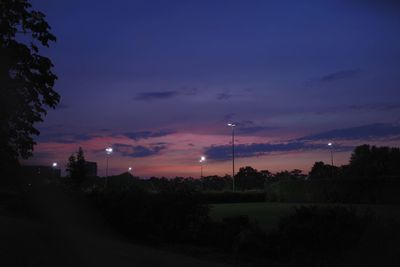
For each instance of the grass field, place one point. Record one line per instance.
(267, 214)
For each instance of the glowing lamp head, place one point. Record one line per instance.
(55, 164)
(202, 159)
(129, 169)
(231, 124)
(330, 144)
(109, 150)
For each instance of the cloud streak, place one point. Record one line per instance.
(376, 130)
(224, 96)
(307, 143)
(147, 134)
(139, 151)
(149, 96)
(340, 75)
(63, 138)
(164, 95)
(250, 150)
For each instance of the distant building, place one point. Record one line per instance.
(91, 169)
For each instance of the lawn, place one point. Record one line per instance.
(267, 214)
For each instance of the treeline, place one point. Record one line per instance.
(372, 176)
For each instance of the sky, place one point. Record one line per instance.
(159, 80)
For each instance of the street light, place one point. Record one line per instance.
(54, 165)
(331, 147)
(130, 170)
(330, 144)
(109, 151)
(202, 160)
(232, 125)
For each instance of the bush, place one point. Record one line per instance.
(232, 197)
(172, 216)
(363, 191)
(235, 234)
(316, 234)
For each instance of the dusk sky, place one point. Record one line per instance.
(159, 81)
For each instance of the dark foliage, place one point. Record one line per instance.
(177, 184)
(172, 216)
(76, 168)
(295, 175)
(315, 236)
(321, 171)
(249, 178)
(361, 191)
(372, 176)
(26, 78)
(374, 162)
(216, 183)
(232, 197)
(222, 234)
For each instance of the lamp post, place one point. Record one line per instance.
(232, 125)
(109, 151)
(202, 160)
(55, 171)
(330, 144)
(130, 170)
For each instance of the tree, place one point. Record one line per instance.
(71, 166)
(216, 183)
(26, 78)
(292, 175)
(76, 167)
(297, 174)
(80, 164)
(372, 162)
(320, 171)
(249, 178)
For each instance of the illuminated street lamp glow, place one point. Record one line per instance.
(202, 160)
(55, 164)
(109, 150)
(129, 169)
(330, 144)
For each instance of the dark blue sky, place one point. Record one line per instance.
(177, 71)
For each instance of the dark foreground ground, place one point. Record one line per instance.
(69, 233)
(379, 244)
(50, 227)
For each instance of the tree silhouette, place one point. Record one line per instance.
(26, 78)
(71, 166)
(76, 167)
(372, 161)
(321, 170)
(249, 178)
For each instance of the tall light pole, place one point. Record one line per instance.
(232, 125)
(202, 160)
(330, 144)
(54, 165)
(109, 151)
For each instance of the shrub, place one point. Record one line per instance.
(232, 197)
(141, 215)
(315, 234)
